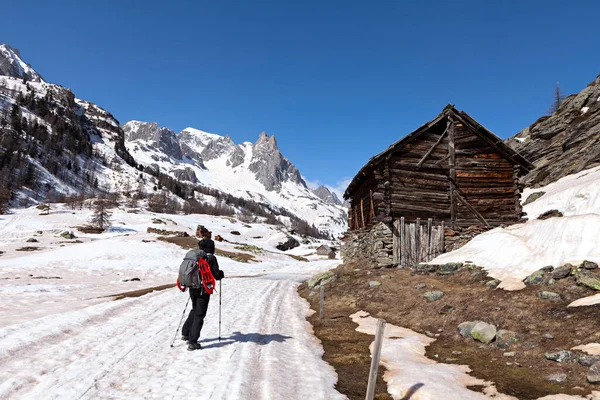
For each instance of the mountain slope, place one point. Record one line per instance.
(254, 171)
(11, 64)
(566, 142)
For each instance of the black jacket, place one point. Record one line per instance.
(214, 266)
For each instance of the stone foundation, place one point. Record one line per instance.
(372, 246)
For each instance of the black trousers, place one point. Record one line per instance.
(193, 323)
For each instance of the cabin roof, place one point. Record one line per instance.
(490, 138)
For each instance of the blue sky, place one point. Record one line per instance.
(335, 81)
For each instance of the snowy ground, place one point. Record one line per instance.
(513, 253)
(61, 338)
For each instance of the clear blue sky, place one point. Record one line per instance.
(335, 81)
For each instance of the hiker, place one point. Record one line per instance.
(193, 324)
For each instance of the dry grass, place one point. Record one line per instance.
(298, 258)
(140, 292)
(89, 229)
(189, 243)
(29, 248)
(398, 302)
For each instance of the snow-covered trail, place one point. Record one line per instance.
(121, 349)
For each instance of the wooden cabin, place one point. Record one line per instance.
(325, 250)
(452, 170)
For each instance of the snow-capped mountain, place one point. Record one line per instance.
(11, 64)
(54, 144)
(254, 171)
(327, 195)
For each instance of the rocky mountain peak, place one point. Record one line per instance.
(327, 195)
(266, 142)
(270, 166)
(162, 138)
(564, 143)
(11, 64)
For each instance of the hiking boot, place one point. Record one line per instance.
(194, 346)
(184, 338)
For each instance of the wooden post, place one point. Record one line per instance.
(395, 240)
(372, 213)
(362, 212)
(451, 165)
(443, 237)
(322, 302)
(356, 217)
(402, 244)
(429, 225)
(375, 360)
(418, 242)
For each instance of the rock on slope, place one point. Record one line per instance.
(564, 143)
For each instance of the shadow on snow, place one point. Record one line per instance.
(240, 337)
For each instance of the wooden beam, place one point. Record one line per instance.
(470, 207)
(362, 212)
(451, 165)
(372, 213)
(434, 146)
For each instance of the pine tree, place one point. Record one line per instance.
(101, 217)
(557, 99)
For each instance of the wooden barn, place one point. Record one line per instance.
(450, 171)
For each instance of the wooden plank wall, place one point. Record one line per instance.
(486, 180)
(416, 242)
(421, 192)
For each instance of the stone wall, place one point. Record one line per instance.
(372, 246)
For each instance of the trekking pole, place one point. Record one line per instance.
(181, 320)
(220, 292)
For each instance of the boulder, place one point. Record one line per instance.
(533, 197)
(493, 283)
(562, 272)
(586, 278)
(32, 240)
(535, 278)
(219, 238)
(559, 356)
(321, 279)
(587, 360)
(593, 375)
(419, 286)
(483, 332)
(67, 235)
(506, 338)
(236, 233)
(465, 328)
(289, 244)
(550, 214)
(548, 295)
(588, 265)
(448, 269)
(433, 295)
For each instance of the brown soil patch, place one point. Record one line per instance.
(189, 243)
(298, 258)
(400, 303)
(29, 248)
(89, 229)
(141, 292)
